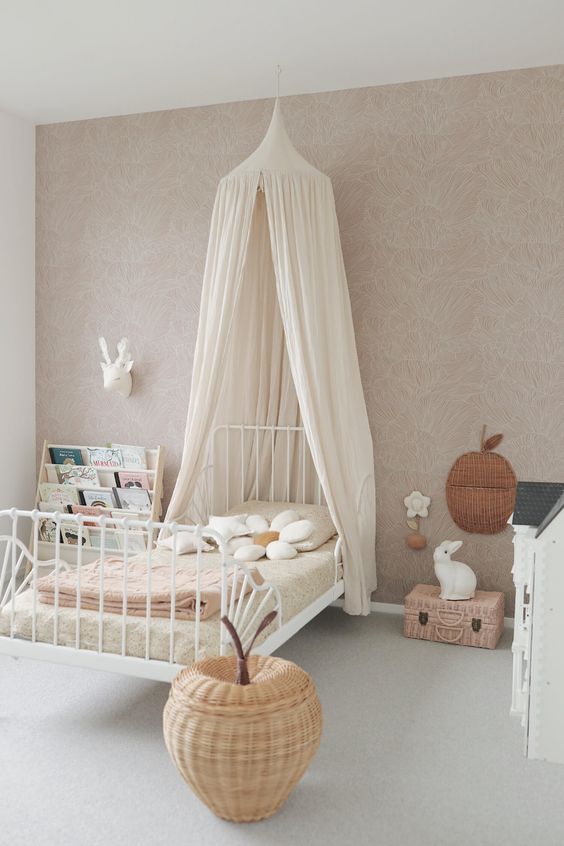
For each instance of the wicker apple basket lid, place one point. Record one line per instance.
(480, 489)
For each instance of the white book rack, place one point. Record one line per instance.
(106, 477)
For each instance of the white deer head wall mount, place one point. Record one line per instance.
(117, 374)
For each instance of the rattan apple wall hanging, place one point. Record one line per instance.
(480, 489)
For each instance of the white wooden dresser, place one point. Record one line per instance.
(538, 641)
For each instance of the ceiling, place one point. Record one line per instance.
(66, 60)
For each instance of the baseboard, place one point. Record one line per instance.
(376, 607)
(386, 608)
(396, 608)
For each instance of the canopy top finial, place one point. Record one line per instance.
(275, 152)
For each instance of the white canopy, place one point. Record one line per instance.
(276, 341)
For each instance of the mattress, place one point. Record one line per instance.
(300, 582)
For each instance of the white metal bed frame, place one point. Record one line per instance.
(20, 571)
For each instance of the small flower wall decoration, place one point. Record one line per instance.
(417, 505)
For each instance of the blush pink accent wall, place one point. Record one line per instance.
(450, 197)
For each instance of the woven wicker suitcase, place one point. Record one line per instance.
(466, 622)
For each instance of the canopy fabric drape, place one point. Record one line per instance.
(276, 341)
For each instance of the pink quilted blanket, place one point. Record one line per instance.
(137, 586)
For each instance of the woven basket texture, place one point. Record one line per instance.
(480, 492)
(453, 621)
(242, 748)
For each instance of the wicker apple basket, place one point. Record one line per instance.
(242, 731)
(480, 489)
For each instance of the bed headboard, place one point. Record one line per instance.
(250, 461)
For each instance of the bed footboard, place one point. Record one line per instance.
(24, 632)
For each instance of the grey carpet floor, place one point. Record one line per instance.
(418, 748)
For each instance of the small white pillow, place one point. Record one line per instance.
(278, 551)
(318, 514)
(250, 552)
(283, 519)
(229, 527)
(236, 543)
(296, 532)
(257, 524)
(185, 543)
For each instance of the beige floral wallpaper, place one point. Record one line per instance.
(450, 197)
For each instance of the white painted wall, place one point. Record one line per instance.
(17, 312)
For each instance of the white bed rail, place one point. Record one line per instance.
(250, 461)
(21, 569)
(247, 461)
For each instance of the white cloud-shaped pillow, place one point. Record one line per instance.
(257, 524)
(284, 519)
(278, 551)
(250, 552)
(297, 532)
(236, 543)
(185, 543)
(229, 527)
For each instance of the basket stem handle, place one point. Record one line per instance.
(266, 622)
(242, 669)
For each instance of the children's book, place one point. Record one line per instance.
(96, 499)
(58, 495)
(70, 535)
(47, 530)
(131, 479)
(73, 474)
(134, 457)
(66, 455)
(88, 511)
(133, 499)
(104, 457)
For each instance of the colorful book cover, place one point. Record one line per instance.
(57, 495)
(47, 530)
(104, 457)
(66, 455)
(99, 499)
(131, 479)
(73, 474)
(133, 499)
(134, 457)
(88, 511)
(70, 535)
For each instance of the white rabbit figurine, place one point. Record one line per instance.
(458, 580)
